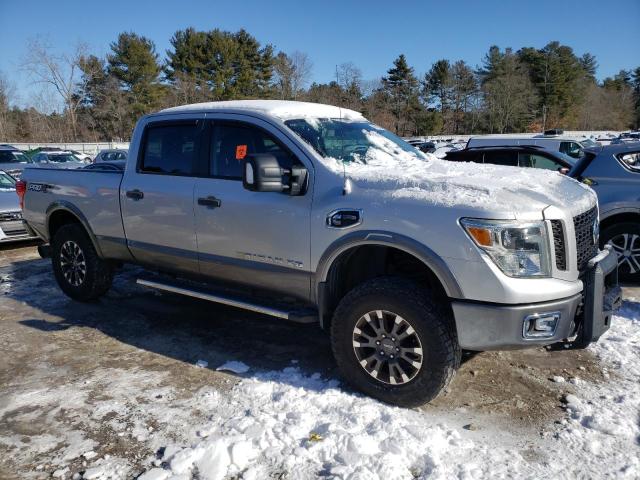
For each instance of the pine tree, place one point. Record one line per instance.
(134, 63)
(402, 87)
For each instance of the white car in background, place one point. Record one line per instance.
(11, 226)
(57, 159)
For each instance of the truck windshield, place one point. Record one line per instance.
(351, 141)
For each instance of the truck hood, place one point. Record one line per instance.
(510, 191)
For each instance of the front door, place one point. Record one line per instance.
(252, 238)
(157, 198)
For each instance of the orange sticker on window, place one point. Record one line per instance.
(241, 152)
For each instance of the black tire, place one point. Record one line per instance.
(614, 234)
(432, 324)
(98, 274)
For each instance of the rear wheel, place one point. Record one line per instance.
(395, 343)
(80, 273)
(624, 238)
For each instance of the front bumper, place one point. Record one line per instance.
(585, 316)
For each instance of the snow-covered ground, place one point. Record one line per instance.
(306, 426)
(128, 416)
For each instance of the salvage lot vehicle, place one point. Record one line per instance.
(529, 156)
(57, 159)
(313, 214)
(110, 155)
(551, 140)
(13, 160)
(614, 173)
(12, 228)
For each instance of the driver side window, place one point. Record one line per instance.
(232, 142)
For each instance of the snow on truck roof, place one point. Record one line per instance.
(277, 108)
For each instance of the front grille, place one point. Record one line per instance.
(586, 248)
(558, 243)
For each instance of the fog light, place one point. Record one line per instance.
(540, 325)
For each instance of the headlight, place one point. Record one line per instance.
(518, 249)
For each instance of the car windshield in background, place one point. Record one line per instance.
(62, 158)
(350, 141)
(13, 157)
(7, 181)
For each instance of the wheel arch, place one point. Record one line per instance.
(380, 253)
(619, 216)
(63, 213)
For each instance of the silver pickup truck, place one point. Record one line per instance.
(311, 213)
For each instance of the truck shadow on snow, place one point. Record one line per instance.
(175, 326)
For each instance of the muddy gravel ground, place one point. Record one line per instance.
(49, 343)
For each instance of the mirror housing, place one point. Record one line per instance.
(261, 172)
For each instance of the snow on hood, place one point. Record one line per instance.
(424, 177)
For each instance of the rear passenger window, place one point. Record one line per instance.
(231, 143)
(170, 149)
(502, 158)
(631, 161)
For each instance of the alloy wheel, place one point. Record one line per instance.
(387, 347)
(627, 247)
(73, 263)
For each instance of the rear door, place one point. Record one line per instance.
(260, 239)
(156, 195)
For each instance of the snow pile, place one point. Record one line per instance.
(604, 420)
(234, 367)
(390, 171)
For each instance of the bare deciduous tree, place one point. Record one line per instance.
(291, 74)
(61, 73)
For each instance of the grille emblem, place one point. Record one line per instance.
(596, 231)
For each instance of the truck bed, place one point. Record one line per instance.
(93, 195)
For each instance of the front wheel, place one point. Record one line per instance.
(394, 342)
(80, 273)
(624, 238)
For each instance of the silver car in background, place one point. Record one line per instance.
(11, 226)
(13, 161)
(110, 155)
(57, 159)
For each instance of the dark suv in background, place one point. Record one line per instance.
(614, 173)
(515, 156)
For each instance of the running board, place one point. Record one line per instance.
(303, 316)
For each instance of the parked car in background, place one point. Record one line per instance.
(515, 156)
(12, 227)
(614, 173)
(12, 160)
(426, 147)
(571, 146)
(110, 155)
(57, 159)
(85, 157)
(626, 137)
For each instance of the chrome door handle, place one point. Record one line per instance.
(210, 202)
(135, 194)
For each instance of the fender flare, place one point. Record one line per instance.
(75, 211)
(375, 237)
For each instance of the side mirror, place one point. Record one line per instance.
(261, 172)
